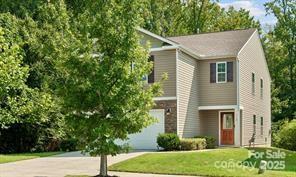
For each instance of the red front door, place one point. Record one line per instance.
(227, 128)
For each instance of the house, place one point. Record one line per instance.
(218, 85)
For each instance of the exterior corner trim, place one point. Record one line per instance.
(177, 88)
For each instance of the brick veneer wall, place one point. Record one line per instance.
(170, 118)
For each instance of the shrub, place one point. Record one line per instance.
(286, 137)
(193, 143)
(275, 128)
(211, 141)
(168, 141)
(69, 145)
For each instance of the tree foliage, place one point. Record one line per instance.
(281, 53)
(19, 103)
(27, 99)
(171, 18)
(83, 59)
(100, 67)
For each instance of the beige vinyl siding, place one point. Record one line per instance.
(252, 59)
(165, 62)
(188, 117)
(209, 123)
(214, 94)
(153, 42)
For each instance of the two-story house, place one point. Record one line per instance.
(218, 85)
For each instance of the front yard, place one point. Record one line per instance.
(220, 162)
(5, 158)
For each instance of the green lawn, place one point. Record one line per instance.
(5, 158)
(203, 163)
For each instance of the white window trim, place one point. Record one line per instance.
(217, 79)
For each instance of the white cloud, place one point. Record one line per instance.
(248, 5)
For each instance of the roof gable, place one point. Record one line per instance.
(214, 45)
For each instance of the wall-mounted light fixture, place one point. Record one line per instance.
(168, 111)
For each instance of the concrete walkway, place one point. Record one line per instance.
(72, 163)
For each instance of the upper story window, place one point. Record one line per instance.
(150, 77)
(261, 88)
(253, 83)
(221, 71)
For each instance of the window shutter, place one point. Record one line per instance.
(229, 71)
(151, 75)
(212, 72)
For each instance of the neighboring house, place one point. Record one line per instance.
(218, 85)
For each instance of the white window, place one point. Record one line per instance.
(221, 71)
(261, 88)
(253, 83)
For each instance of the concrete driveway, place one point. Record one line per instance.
(73, 163)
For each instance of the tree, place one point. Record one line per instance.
(101, 77)
(18, 102)
(43, 117)
(283, 64)
(199, 14)
(232, 19)
(172, 18)
(165, 17)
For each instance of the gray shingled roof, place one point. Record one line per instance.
(227, 43)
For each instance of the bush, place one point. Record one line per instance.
(193, 143)
(286, 136)
(168, 141)
(275, 128)
(69, 145)
(30, 137)
(211, 141)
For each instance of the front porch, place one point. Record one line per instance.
(223, 123)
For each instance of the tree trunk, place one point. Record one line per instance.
(103, 165)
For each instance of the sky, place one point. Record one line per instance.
(256, 8)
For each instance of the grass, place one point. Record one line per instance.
(203, 163)
(5, 158)
(290, 158)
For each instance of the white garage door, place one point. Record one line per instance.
(147, 138)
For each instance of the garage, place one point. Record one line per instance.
(147, 138)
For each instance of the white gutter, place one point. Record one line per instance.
(163, 48)
(217, 57)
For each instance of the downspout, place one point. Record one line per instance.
(177, 89)
(238, 102)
